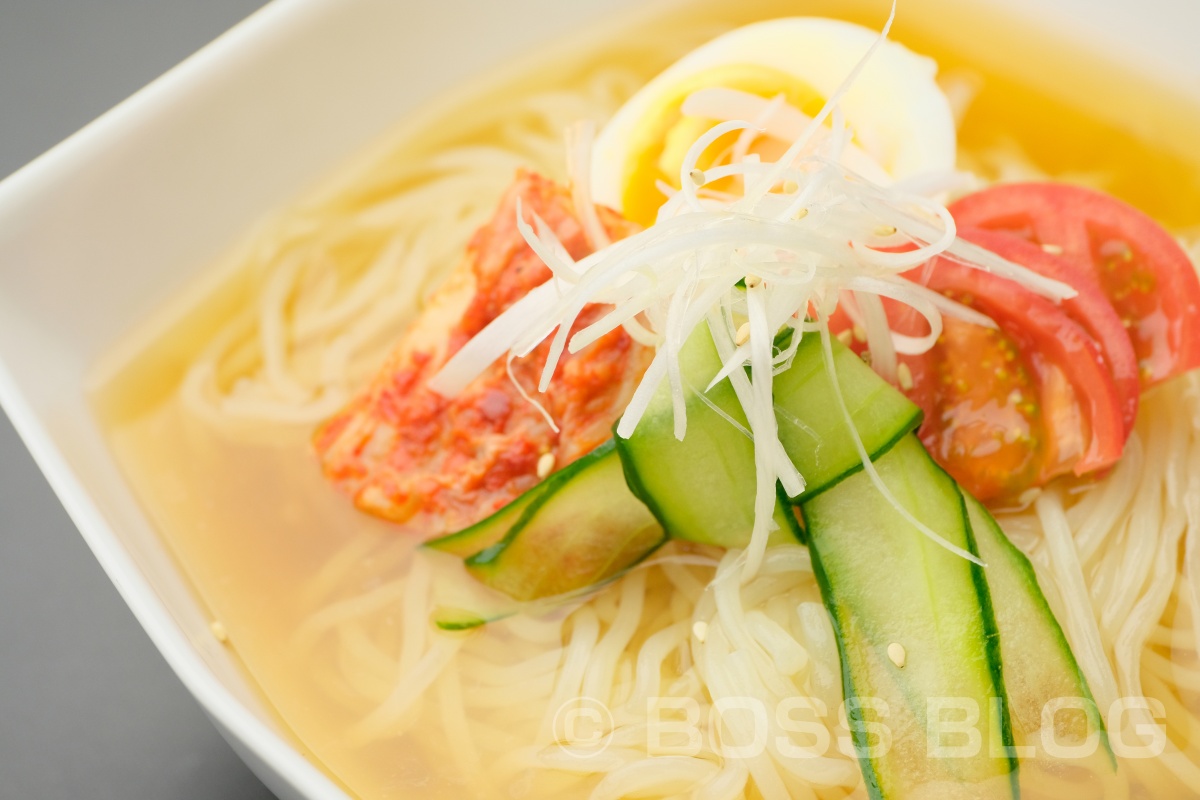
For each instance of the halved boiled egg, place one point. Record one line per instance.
(778, 75)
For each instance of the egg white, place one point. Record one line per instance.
(895, 110)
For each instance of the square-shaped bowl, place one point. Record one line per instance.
(103, 229)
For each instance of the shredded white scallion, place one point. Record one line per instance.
(808, 227)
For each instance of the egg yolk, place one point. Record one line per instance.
(662, 138)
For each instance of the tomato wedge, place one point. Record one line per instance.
(1077, 426)
(1146, 275)
(1090, 308)
(982, 407)
(1009, 408)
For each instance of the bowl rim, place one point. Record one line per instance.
(275, 761)
(281, 764)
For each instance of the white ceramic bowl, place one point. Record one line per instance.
(103, 229)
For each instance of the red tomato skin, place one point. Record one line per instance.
(1042, 328)
(1153, 285)
(1090, 308)
(1065, 362)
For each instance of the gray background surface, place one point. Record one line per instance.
(88, 708)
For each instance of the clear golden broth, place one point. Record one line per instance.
(252, 522)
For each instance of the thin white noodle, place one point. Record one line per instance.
(1080, 625)
(319, 326)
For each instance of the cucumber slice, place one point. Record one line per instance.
(583, 529)
(488, 531)
(702, 488)
(1038, 663)
(459, 619)
(811, 426)
(715, 505)
(887, 586)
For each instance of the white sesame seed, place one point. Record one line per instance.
(752, 281)
(1053, 249)
(743, 334)
(697, 176)
(885, 230)
(896, 653)
(802, 213)
(860, 333)
(904, 376)
(545, 465)
(844, 337)
(700, 630)
(218, 631)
